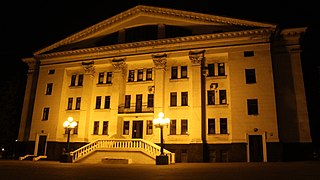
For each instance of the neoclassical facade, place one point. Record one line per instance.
(233, 89)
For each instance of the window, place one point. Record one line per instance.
(45, 114)
(73, 80)
(173, 99)
(107, 102)
(223, 126)
(221, 69)
(109, 77)
(98, 102)
(126, 127)
(96, 127)
(150, 100)
(210, 69)
(78, 102)
(75, 129)
(184, 71)
(100, 78)
(211, 126)
(49, 89)
(252, 105)
(173, 127)
(149, 74)
(70, 101)
(174, 72)
(184, 126)
(248, 53)
(140, 75)
(184, 98)
(223, 96)
(250, 76)
(127, 101)
(105, 127)
(149, 127)
(51, 71)
(211, 97)
(131, 76)
(80, 80)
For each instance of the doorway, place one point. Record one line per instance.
(41, 145)
(255, 148)
(138, 103)
(137, 129)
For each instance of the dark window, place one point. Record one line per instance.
(150, 100)
(107, 102)
(250, 76)
(80, 80)
(149, 127)
(100, 78)
(96, 127)
(109, 77)
(173, 99)
(248, 53)
(131, 76)
(221, 69)
(149, 74)
(73, 80)
(223, 126)
(141, 33)
(173, 127)
(51, 71)
(252, 105)
(184, 98)
(140, 75)
(49, 89)
(174, 72)
(223, 96)
(105, 127)
(210, 69)
(98, 102)
(45, 115)
(75, 129)
(176, 31)
(211, 126)
(78, 103)
(126, 127)
(211, 97)
(127, 101)
(184, 126)
(184, 71)
(70, 101)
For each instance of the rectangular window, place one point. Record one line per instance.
(221, 69)
(173, 127)
(73, 80)
(98, 102)
(70, 101)
(211, 97)
(211, 126)
(184, 126)
(75, 129)
(173, 99)
(80, 80)
(131, 76)
(126, 125)
(223, 96)
(127, 101)
(150, 100)
(45, 114)
(140, 75)
(96, 127)
(109, 77)
(49, 89)
(184, 71)
(78, 103)
(100, 78)
(174, 72)
(252, 106)
(107, 102)
(149, 74)
(250, 76)
(51, 71)
(105, 127)
(210, 69)
(184, 98)
(149, 127)
(248, 53)
(223, 126)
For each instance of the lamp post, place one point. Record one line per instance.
(160, 122)
(69, 124)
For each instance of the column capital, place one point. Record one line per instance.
(196, 56)
(88, 67)
(118, 64)
(160, 60)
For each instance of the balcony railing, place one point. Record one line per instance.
(144, 108)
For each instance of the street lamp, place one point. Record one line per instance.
(69, 124)
(160, 122)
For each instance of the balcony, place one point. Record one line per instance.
(135, 108)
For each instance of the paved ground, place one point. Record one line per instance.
(14, 169)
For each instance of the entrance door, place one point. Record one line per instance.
(139, 103)
(42, 145)
(255, 148)
(137, 129)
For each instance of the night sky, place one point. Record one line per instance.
(27, 26)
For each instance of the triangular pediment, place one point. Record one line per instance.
(147, 17)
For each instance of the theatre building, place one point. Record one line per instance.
(232, 89)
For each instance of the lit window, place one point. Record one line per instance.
(126, 127)
(184, 126)
(78, 103)
(223, 96)
(173, 127)
(45, 114)
(149, 127)
(149, 74)
(100, 78)
(70, 101)
(184, 71)
(221, 69)
(105, 127)
(109, 77)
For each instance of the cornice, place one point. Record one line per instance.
(199, 17)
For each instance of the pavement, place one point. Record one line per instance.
(46, 170)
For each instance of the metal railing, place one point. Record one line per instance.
(122, 109)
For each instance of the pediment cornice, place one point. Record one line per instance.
(155, 11)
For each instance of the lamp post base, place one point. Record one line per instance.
(66, 158)
(162, 160)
